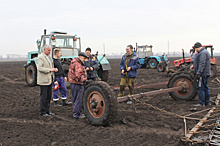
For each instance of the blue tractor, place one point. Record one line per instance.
(147, 59)
(70, 46)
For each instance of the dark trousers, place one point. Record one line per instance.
(77, 94)
(203, 90)
(45, 97)
(62, 89)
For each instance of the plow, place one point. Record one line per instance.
(101, 104)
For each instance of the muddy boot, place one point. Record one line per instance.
(131, 90)
(65, 103)
(121, 91)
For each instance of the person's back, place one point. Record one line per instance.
(201, 63)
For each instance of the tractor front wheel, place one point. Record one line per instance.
(31, 75)
(161, 67)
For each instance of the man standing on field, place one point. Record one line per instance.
(129, 66)
(45, 77)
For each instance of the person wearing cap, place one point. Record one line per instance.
(129, 66)
(91, 65)
(45, 77)
(77, 77)
(60, 79)
(201, 66)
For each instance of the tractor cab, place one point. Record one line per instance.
(144, 51)
(68, 44)
(210, 49)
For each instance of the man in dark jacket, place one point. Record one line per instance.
(60, 79)
(201, 67)
(77, 77)
(129, 66)
(91, 65)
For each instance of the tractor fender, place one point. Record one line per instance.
(103, 63)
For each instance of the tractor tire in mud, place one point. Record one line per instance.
(103, 74)
(161, 67)
(152, 63)
(189, 93)
(31, 75)
(99, 103)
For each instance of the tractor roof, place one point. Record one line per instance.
(207, 45)
(58, 32)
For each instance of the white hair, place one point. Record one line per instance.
(47, 46)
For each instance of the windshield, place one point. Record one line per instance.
(66, 42)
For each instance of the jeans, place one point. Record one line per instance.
(203, 90)
(62, 89)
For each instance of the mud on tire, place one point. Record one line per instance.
(99, 103)
(187, 94)
(31, 75)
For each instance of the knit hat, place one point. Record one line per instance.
(83, 54)
(197, 45)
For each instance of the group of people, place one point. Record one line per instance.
(83, 68)
(50, 75)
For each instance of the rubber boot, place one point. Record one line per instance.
(121, 91)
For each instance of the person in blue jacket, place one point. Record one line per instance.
(129, 67)
(91, 65)
(201, 66)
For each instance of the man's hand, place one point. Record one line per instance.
(191, 67)
(197, 76)
(54, 70)
(65, 79)
(123, 71)
(91, 68)
(128, 68)
(55, 83)
(87, 69)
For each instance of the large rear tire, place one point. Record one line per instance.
(103, 74)
(189, 92)
(31, 75)
(152, 63)
(99, 103)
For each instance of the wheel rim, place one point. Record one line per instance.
(152, 64)
(160, 67)
(96, 104)
(187, 86)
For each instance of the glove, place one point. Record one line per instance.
(197, 76)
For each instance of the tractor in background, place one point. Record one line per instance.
(70, 46)
(147, 59)
(184, 63)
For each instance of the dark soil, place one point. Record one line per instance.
(20, 123)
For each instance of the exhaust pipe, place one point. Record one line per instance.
(45, 31)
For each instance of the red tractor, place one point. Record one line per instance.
(185, 62)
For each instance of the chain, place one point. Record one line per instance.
(162, 110)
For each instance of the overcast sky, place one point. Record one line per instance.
(116, 23)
